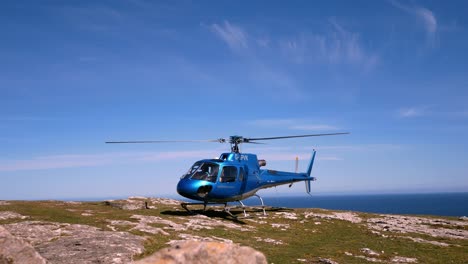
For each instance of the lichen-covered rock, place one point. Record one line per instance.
(195, 252)
(11, 215)
(15, 250)
(412, 224)
(346, 216)
(129, 204)
(140, 203)
(326, 261)
(73, 243)
(399, 259)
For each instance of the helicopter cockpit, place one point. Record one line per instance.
(205, 171)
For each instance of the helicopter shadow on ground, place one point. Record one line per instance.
(236, 216)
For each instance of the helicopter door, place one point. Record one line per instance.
(227, 181)
(242, 179)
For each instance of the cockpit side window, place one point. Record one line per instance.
(228, 174)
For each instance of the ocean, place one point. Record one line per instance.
(441, 204)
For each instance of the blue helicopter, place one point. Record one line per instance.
(234, 176)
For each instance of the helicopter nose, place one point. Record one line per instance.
(185, 189)
(193, 189)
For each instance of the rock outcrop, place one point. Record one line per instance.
(195, 252)
(14, 250)
(345, 216)
(412, 224)
(73, 243)
(11, 215)
(139, 203)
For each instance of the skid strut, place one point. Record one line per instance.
(263, 205)
(243, 206)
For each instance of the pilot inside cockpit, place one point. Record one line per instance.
(206, 172)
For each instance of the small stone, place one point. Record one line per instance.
(399, 259)
(369, 252)
(327, 261)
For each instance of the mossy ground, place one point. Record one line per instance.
(304, 239)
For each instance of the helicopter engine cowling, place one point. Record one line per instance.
(262, 162)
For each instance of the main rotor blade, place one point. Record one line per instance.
(299, 136)
(220, 140)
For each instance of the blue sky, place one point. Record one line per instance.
(75, 74)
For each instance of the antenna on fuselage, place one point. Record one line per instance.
(297, 164)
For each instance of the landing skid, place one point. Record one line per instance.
(227, 208)
(185, 206)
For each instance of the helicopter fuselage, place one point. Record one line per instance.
(234, 177)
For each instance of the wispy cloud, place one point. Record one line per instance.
(409, 112)
(270, 80)
(57, 162)
(432, 111)
(425, 16)
(428, 19)
(234, 36)
(337, 46)
(101, 159)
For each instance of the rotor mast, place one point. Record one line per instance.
(235, 141)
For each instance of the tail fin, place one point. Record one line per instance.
(309, 171)
(311, 164)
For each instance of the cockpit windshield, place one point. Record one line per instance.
(203, 171)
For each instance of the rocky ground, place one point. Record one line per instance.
(122, 231)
